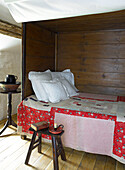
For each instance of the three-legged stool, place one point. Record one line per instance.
(56, 145)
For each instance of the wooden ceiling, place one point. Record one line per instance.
(95, 22)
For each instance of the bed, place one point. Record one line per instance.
(93, 47)
(93, 123)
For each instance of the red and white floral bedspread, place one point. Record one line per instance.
(85, 107)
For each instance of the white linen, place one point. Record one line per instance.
(55, 91)
(47, 87)
(75, 103)
(39, 75)
(69, 87)
(39, 90)
(91, 135)
(64, 74)
(121, 110)
(34, 10)
(36, 79)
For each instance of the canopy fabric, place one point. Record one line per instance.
(34, 10)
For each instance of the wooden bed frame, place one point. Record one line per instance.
(92, 46)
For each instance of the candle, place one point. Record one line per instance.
(55, 125)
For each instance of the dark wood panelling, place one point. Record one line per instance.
(103, 65)
(88, 44)
(111, 37)
(40, 53)
(37, 51)
(101, 79)
(34, 30)
(109, 51)
(95, 22)
(23, 59)
(96, 58)
(102, 89)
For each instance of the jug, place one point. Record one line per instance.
(11, 79)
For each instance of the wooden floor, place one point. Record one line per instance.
(13, 152)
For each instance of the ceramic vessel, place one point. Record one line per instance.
(9, 87)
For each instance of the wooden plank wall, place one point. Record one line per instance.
(40, 53)
(96, 58)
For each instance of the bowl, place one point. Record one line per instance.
(9, 87)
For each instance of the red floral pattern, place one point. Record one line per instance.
(28, 115)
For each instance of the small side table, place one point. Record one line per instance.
(9, 105)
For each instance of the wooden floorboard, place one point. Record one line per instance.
(13, 151)
(88, 161)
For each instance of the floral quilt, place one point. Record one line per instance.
(85, 105)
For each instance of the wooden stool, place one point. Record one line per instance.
(56, 144)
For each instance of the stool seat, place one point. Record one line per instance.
(46, 131)
(56, 145)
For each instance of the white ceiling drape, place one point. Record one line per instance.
(34, 10)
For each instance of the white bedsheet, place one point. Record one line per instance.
(87, 105)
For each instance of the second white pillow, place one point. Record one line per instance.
(55, 91)
(70, 88)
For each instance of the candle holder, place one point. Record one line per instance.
(55, 129)
(62, 126)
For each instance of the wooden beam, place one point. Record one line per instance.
(10, 29)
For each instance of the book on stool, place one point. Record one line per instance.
(40, 125)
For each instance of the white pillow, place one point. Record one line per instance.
(55, 91)
(36, 78)
(69, 76)
(40, 75)
(71, 90)
(48, 70)
(65, 74)
(39, 90)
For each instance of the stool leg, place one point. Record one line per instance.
(55, 155)
(39, 146)
(63, 156)
(30, 148)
